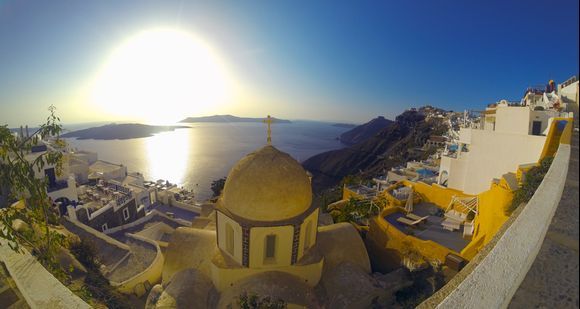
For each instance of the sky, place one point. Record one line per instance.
(346, 61)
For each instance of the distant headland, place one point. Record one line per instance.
(120, 131)
(229, 118)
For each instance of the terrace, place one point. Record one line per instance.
(431, 228)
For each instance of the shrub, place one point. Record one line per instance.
(532, 180)
(85, 252)
(217, 186)
(96, 285)
(355, 210)
(253, 301)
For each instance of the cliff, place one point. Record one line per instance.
(364, 131)
(393, 145)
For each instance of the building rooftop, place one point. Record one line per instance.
(104, 166)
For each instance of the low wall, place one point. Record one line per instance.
(141, 282)
(491, 279)
(39, 288)
(184, 206)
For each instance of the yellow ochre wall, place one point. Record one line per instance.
(313, 219)
(222, 221)
(284, 237)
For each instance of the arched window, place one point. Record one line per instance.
(229, 239)
(270, 249)
(308, 236)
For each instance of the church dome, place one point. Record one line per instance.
(267, 185)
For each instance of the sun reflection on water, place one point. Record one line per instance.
(168, 155)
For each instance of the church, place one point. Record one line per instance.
(266, 241)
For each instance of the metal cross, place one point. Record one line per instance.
(269, 120)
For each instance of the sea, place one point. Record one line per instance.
(194, 157)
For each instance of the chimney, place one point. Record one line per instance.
(27, 135)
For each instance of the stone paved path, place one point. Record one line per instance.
(552, 282)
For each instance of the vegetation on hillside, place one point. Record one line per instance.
(95, 284)
(355, 210)
(30, 226)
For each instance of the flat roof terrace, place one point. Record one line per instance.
(431, 229)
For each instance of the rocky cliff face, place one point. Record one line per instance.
(394, 145)
(365, 131)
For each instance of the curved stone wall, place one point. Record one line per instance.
(141, 282)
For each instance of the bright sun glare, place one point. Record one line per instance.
(162, 76)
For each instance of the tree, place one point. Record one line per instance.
(217, 186)
(17, 178)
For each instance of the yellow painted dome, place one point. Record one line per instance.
(267, 185)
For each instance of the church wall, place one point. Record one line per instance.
(284, 237)
(313, 220)
(226, 278)
(222, 221)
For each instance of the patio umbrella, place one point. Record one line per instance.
(409, 204)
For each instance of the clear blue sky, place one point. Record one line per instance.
(329, 60)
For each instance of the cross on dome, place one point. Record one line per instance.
(269, 120)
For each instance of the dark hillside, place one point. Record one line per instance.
(396, 144)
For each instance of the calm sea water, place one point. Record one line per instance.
(194, 157)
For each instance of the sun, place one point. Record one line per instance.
(162, 76)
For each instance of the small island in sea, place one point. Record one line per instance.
(229, 118)
(120, 131)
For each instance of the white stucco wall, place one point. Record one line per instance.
(569, 93)
(222, 221)
(69, 192)
(512, 119)
(493, 154)
(456, 169)
(39, 288)
(465, 135)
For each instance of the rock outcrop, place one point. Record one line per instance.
(396, 144)
(364, 131)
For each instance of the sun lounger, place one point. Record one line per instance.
(451, 225)
(456, 216)
(411, 222)
(414, 217)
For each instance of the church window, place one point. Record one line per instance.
(270, 250)
(229, 239)
(308, 235)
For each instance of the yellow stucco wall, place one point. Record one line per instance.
(490, 218)
(222, 222)
(400, 242)
(283, 251)
(347, 193)
(556, 137)
(152, 274)
(436, 194)
(313, 220)
(224, 278)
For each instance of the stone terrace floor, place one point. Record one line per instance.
(552, 282)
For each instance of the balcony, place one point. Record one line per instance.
(56, 186)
